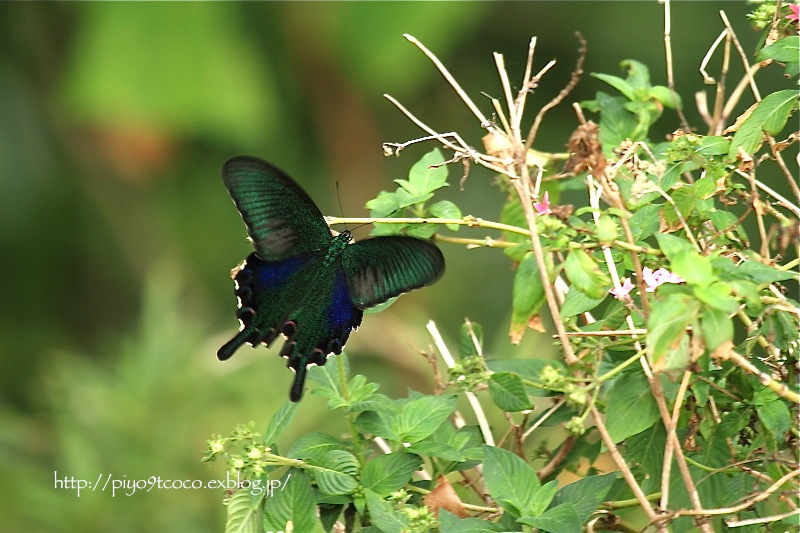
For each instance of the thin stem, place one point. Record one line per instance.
(453, 83)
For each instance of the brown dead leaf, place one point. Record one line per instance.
(585, 151)
(444, 497)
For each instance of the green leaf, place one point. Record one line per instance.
(713, 145)
(513, 214)
(528, 295)
(528, 369)
(561, 519)
(426, 175)
(420, 417)
(335, 472)
(406, 198)
(577, 302)
(638, 73)
(422, 231)
(693, 267)
(665, 96)
(667, 325)
(631, 407)
(280, 421)
(383, 515)
(244, 513)
(606, 229)
(718, 296)
(295, 501)
(508, 392)
(784, 50)
(446, 209)
(616, 82)
(772, 412)
(770, 115)
(705, 187)
(717, 328)
(761, 273)
(586, 494)
(312, 446)
(376, 424)
(466, 346)
(383, 205)
(672, 245)
(644, 222)
(388, 473)
(511, 482)
(585, 275)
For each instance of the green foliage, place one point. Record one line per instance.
(668, 224)
(426, 176)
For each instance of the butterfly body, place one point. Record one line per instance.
(304, 283)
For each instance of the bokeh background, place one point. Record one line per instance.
(117, 237)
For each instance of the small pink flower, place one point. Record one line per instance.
(621, 292)
(653, 279)
(544, 207)
(795, 15)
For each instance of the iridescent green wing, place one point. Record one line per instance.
(281, 219)
(384, 267)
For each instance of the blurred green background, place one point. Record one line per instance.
(117, 236)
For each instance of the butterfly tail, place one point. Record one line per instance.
(296, 391)
(232, 345)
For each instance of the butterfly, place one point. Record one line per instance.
(304, 283)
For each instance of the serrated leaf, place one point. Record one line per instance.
(770, 115)
(335, 472)
(630, 407)
(772, 412)
(560, 519)
(508, 392)
(420, 417)
(312, 446)
(280, 421)
(761, 273)
(446, 209)
(644, 222)
(783, 50)
(376, 424)
(294, 502)
(244, 513)
(388, 473)
(511, 482)
(586, 494)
